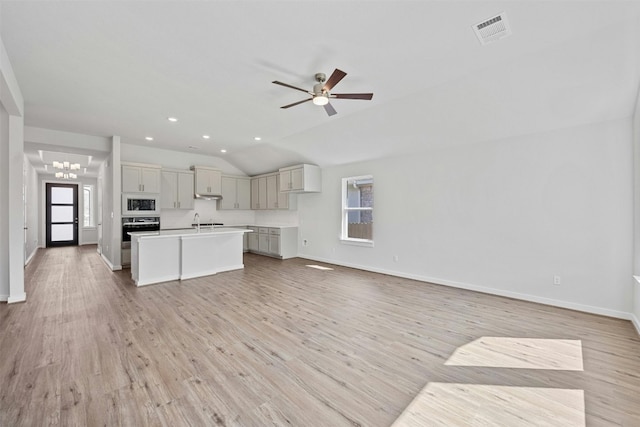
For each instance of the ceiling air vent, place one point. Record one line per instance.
(493, 29)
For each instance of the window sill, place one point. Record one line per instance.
(357, 242)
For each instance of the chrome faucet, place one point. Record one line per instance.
(196, 218)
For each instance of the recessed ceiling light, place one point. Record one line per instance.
(257, 138)
(148, 138)
(223, 151)
(206, 136)
(172, 119)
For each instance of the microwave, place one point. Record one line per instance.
(140, 205)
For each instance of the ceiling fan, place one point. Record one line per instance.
(321, 91)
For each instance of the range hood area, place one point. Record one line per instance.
(208, 196)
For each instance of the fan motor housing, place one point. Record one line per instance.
(317, 88)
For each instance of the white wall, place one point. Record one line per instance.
(11, 172)
(502, 217)
(32, 209)
(106, 246)
(4, 195)
(636, 213)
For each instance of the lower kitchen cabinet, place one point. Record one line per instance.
(278, 242)
(263, 240)
(252, 240)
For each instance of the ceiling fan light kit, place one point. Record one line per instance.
(321, 99)
(321, 91)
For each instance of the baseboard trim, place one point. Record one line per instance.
(33, 253)
(4, 298)
(18, 298)
(486, 290)
(111, 266)
(636, 322)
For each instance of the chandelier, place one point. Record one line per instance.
(66, 168)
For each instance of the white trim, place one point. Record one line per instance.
(634, 318)
(210, 272)
(486, 290)
(32, 255)
(19, 298)
(357, 242)
(636, 322)
(4, 298)
(157, 280)
(111, 266)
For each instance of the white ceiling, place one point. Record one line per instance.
(123, 67)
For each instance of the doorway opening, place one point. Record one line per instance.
(61, 214)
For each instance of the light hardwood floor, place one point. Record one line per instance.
(283, 344)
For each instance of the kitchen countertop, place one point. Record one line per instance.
(232, 226)
(265, 225)
(180, 232)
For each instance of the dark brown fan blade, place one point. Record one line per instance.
(296, 103)
(329, 109)
(334, 79)
(366, 96)
(292, 87)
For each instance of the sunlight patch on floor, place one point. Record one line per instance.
(523, 353)
(319, 267)
(442, 404)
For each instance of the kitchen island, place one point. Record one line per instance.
(161, 256)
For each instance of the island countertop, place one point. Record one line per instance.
(188, 232)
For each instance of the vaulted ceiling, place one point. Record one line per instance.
(122, 68)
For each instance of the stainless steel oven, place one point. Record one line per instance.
(131, 224)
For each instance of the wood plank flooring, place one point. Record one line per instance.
(282, 344)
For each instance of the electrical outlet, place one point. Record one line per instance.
(395, 258)
(556, 280)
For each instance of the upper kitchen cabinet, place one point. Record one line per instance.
(139, 178)
(177, 190)
(300, 179)
(236, 193)
(275, 198)
(259, 192)
(208, 181)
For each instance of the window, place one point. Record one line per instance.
(88, 200)
(357, 210)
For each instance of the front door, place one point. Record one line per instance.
(62, 214)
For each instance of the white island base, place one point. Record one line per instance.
(184, 254)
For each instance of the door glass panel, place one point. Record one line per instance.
(61, 232)
(61, 213)
(62, 195)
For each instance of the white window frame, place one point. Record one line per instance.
(344, 235)
(92, 204)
